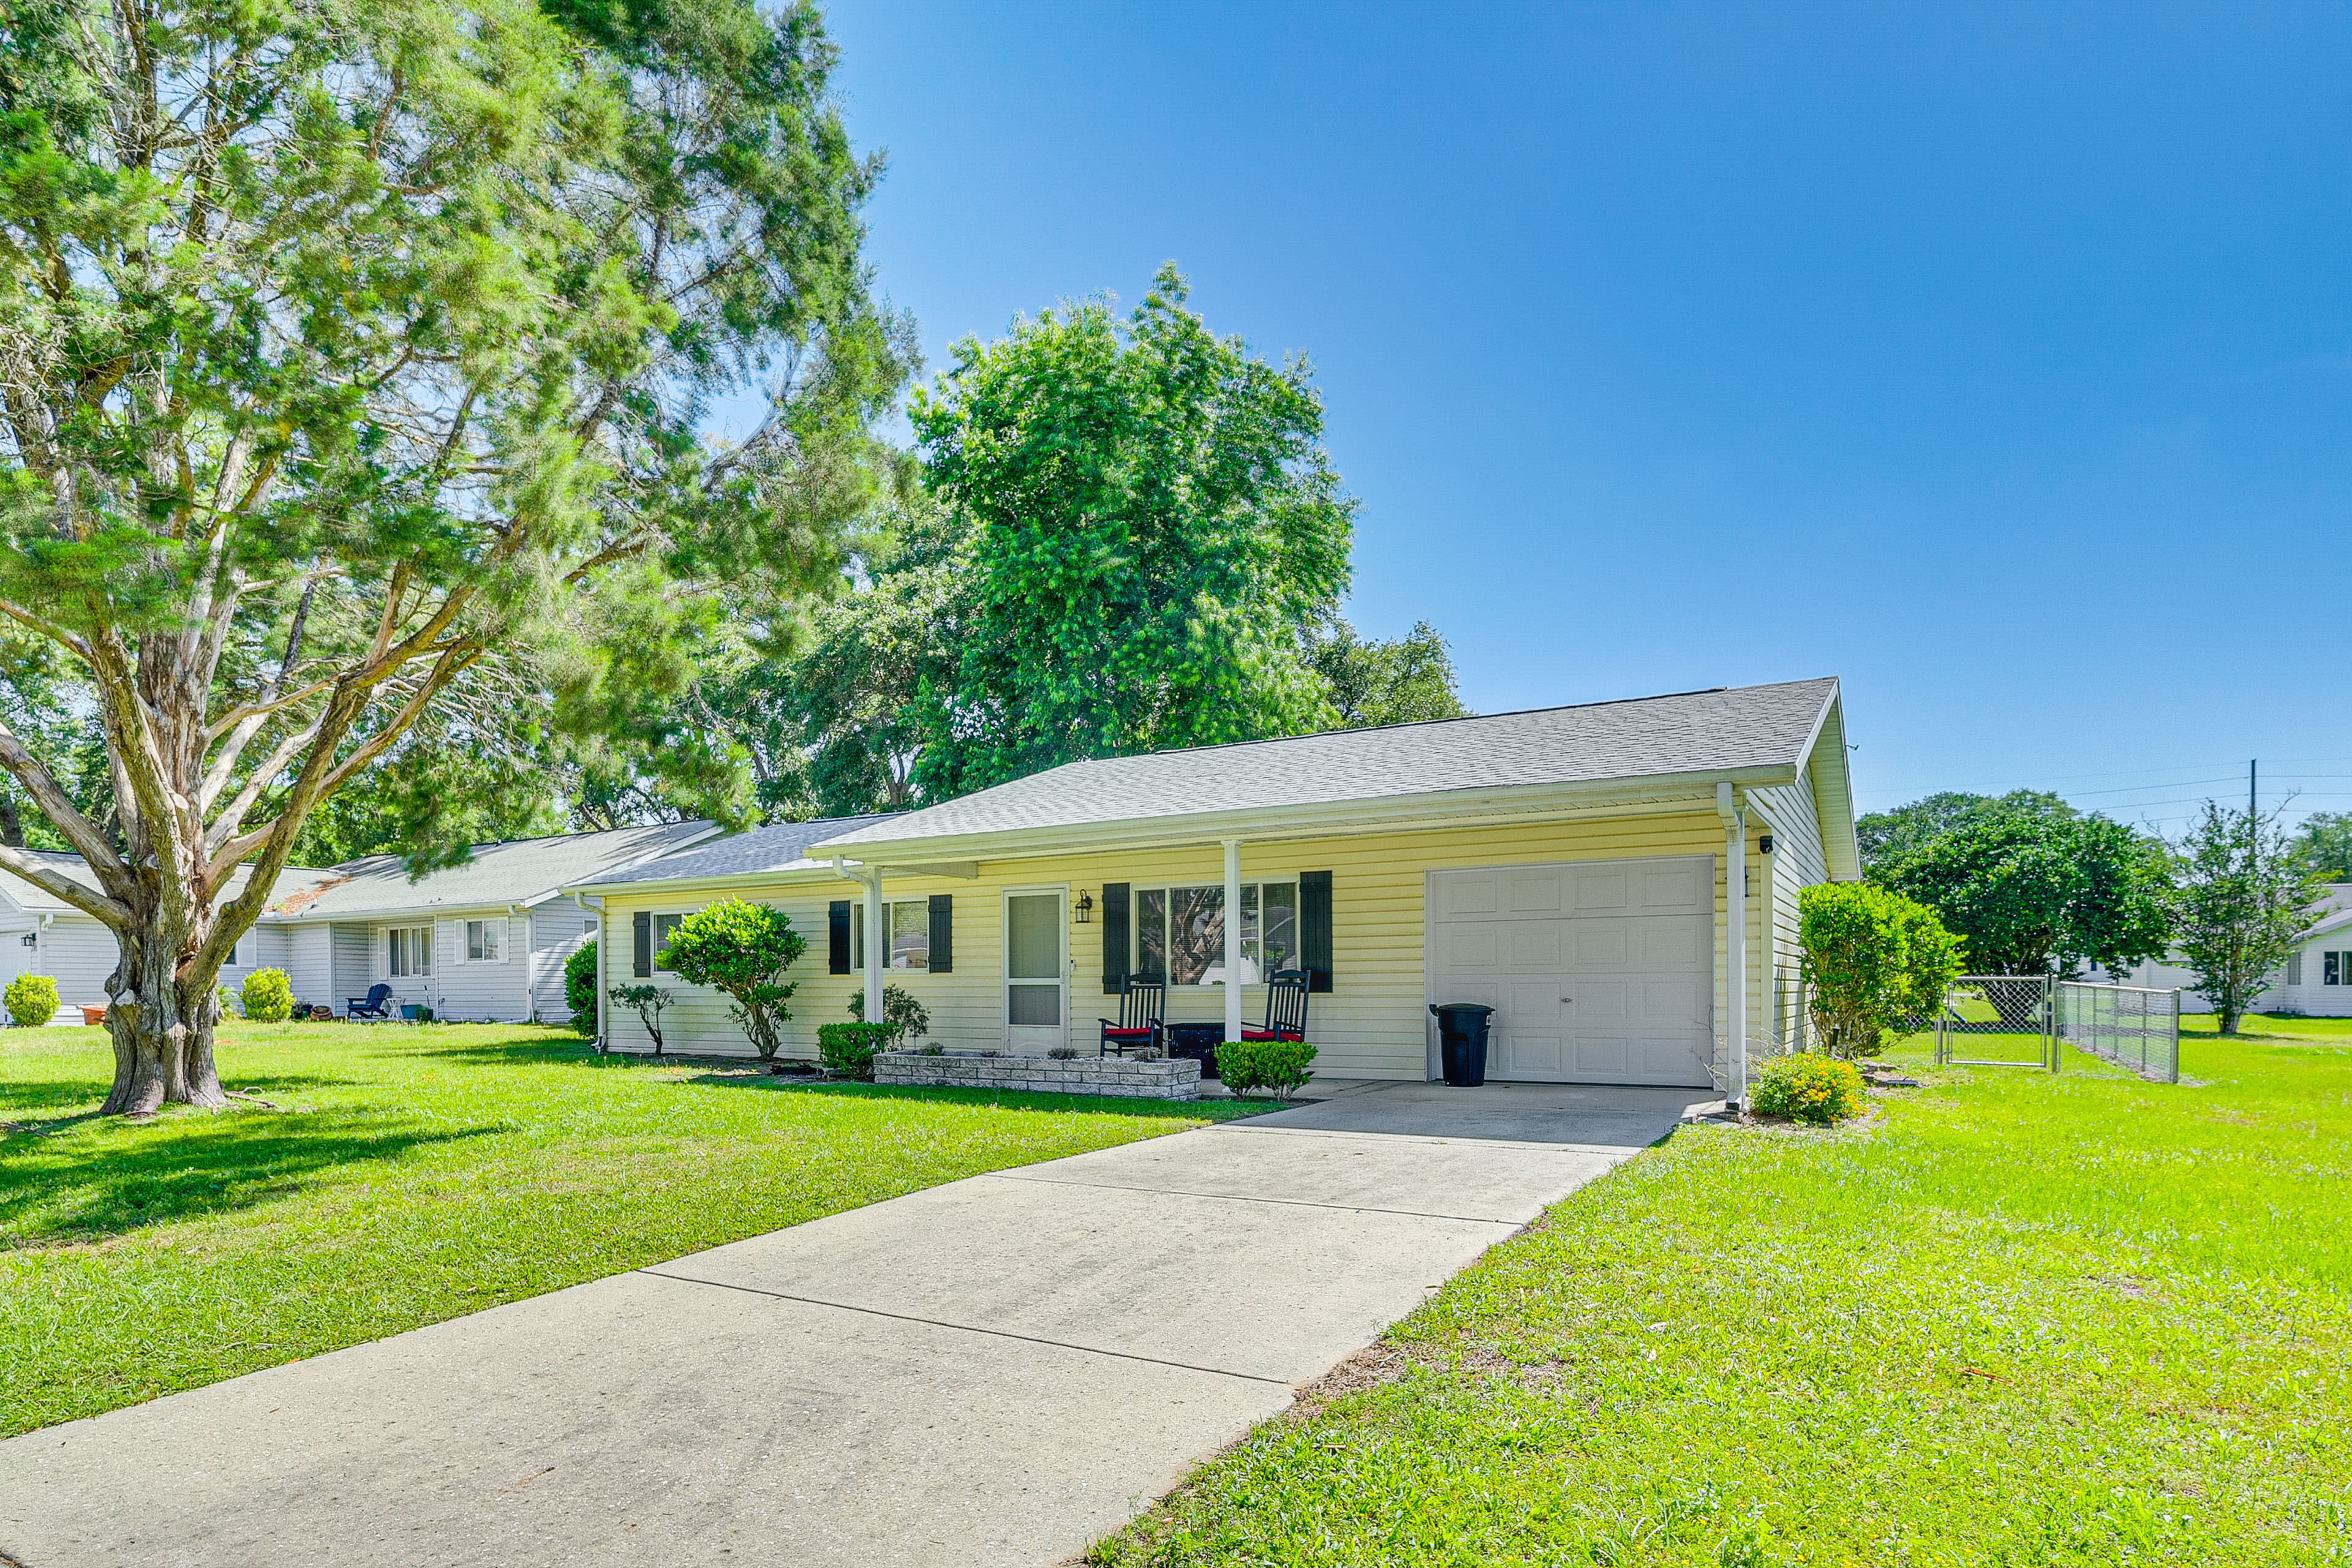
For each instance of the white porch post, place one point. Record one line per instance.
(603, 956)
(1233, 941)
(877, 943)
(1735, 941)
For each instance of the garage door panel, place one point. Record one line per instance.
(1632, 942)
(1470, 947)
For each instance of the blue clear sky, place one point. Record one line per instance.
(1998, 360)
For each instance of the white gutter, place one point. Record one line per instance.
(1734, 812)
(1314, 820)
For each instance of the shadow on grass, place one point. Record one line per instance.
(107, 1182)
(20, 1095)
(1005, 1099)
(511, 1053)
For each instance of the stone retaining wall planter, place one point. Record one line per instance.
(1119, 1075)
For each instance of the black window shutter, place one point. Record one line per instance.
(942, 933)
(1315, 928)
(640, 929)
(837, 948)
(1115, 924)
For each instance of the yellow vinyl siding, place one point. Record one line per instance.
(1371, 1024)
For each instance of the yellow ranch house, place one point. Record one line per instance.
(1617, 880)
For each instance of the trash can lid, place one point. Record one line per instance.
(1443, 1007)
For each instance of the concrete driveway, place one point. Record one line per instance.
(997, 1371)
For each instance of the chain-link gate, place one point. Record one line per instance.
(2126, 1025)
(2007, 1021)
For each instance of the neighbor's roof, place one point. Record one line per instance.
(1753, 729)
(783, 847)
(36, 900)
(2335, 909)
(521, 871)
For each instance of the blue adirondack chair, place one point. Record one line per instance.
(372, 1006)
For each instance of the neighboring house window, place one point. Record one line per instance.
(2294, 969)
(909, 925)
(482, 940)
(1180, 932)
(409, 949)
(2331, 969)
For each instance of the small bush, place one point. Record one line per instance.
(1806, 1086)
(267, 995)
(32, 1000)
(579, 987)
(1279, 1065)
(907, 1017)
(848, 1048)
(742, 948)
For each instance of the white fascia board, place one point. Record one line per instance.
(796, 871)
(1323, 819)
(411, 914)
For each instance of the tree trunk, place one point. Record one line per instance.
(161, 1013)
(2229, 1022)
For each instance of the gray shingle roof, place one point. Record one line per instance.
(522, 871)
(291, 880)
(781, 846)
(1687, 732)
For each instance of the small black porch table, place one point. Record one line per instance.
(1196, 1042)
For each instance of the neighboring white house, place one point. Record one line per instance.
(485, 941)
(2316, 981)
(1619, 880)
(40, 933)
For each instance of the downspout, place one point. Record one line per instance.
(1233, 941)
(1734, 812)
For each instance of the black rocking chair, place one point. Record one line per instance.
(1141, 1004)
(1285, 1007)
(370, 1005)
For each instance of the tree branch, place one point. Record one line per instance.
(57, 884)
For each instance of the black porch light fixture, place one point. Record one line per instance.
(1084, 910)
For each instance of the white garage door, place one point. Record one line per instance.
(1599, 971)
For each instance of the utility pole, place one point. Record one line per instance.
(2250, 787)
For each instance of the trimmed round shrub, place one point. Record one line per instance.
(1806, 1086)
(848, 1048)
(1246, 1066)
(32, 1000)
(902, 1010)
(579, 987)
(267, 995)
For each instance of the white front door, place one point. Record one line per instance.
(1599, 971)
(1037, 969)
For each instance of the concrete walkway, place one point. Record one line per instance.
(997, 1371)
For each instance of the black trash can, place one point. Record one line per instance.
(1461, 1041)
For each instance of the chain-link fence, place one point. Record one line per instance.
(2124, 1024)
(1999, 1020)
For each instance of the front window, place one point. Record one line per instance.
(409, 951)
(1180, 932)
(910, 926)
(665, 928)
(482, 940)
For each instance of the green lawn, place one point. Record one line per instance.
(412, 1174)
(2270, 1027)
(2020, 1319)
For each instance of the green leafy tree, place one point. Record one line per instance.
(1155, 529)
(2029, 888)
(2325, 840)
(1887, 836)
(1403, 682)
(743, 950)
(1873, 961)
(351, 361)
(2247, 893)
(648, 1003)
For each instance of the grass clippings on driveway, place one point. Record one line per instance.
(416, 1173)
(2080, 1319)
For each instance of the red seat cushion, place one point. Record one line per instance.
(1126, 1034)
(1254, 1035)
